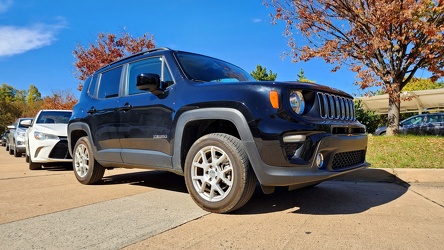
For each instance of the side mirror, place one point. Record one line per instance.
(150, 82)
(401, 124)
(26, 123)
(11, 127)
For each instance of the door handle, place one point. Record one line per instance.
(126, 107)
(91, 111)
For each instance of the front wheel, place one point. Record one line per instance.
(218, 174)
(17, 153)
(86, 169)
(33, 165)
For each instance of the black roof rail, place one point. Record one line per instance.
(136, 54)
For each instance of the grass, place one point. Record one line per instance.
(406, 151)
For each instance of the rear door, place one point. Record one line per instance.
(104, 116)
(433, 125)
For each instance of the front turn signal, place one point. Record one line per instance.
(274, 99)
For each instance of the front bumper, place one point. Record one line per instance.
(342, 153)
(48, 151)
(20, 145)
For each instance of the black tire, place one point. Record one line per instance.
(86, 169)
(224, 187)
(11, 151)
(33, 165)
(16, 153)
(7, 147)
(27, 158)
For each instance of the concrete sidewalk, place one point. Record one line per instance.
(396, 175)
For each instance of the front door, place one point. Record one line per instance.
(145, 118)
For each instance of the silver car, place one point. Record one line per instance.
(16, 137)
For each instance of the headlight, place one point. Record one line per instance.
(297, 102)
(43, 136)
(21, 133)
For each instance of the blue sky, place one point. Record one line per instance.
(37, 37)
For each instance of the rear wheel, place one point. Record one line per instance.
(218, 174)
(86, 169)
(11, 151)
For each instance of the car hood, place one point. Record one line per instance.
(289, 84)
(53, 129)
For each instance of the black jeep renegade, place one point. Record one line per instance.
(209, 121)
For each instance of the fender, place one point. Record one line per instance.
(230, 114)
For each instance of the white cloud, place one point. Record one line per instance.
(257, 20)
(4, 5)
(17, 40)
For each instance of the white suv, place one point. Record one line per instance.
(46, 139)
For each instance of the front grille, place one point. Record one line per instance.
(60, 151)
(336, 107)
(348, 159)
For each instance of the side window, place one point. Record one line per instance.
(167, 78)
(414, 120)
(151, 66)
(109, 83)
(93, 86)
(433, 118)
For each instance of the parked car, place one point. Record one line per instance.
(16, 137)
(5, 135)
(210, 121)
(46, 139)
(424, 124)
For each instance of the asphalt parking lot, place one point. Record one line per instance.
(133, 209)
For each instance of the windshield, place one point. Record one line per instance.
(206, 69)
(54, 117)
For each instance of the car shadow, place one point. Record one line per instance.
(153, 179)
(349, 194)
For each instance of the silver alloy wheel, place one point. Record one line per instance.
(212, 174)
(81, 161)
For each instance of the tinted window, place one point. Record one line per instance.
(208, 69)
(109, 83)
(167, 78)
(414, 120)
(93, 86)
(54, 117)
(148, 66)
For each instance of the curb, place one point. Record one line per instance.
(395, 175)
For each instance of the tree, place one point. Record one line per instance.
(384, 41)
(59, 100)
(109, 48)
(261, 74)
(422, 84)
(33, 95)
(7, 93)
(8, 114)
(369, 118)
(302, 78)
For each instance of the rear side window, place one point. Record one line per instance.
(93, 86)
(109, 83)
(434, 118)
